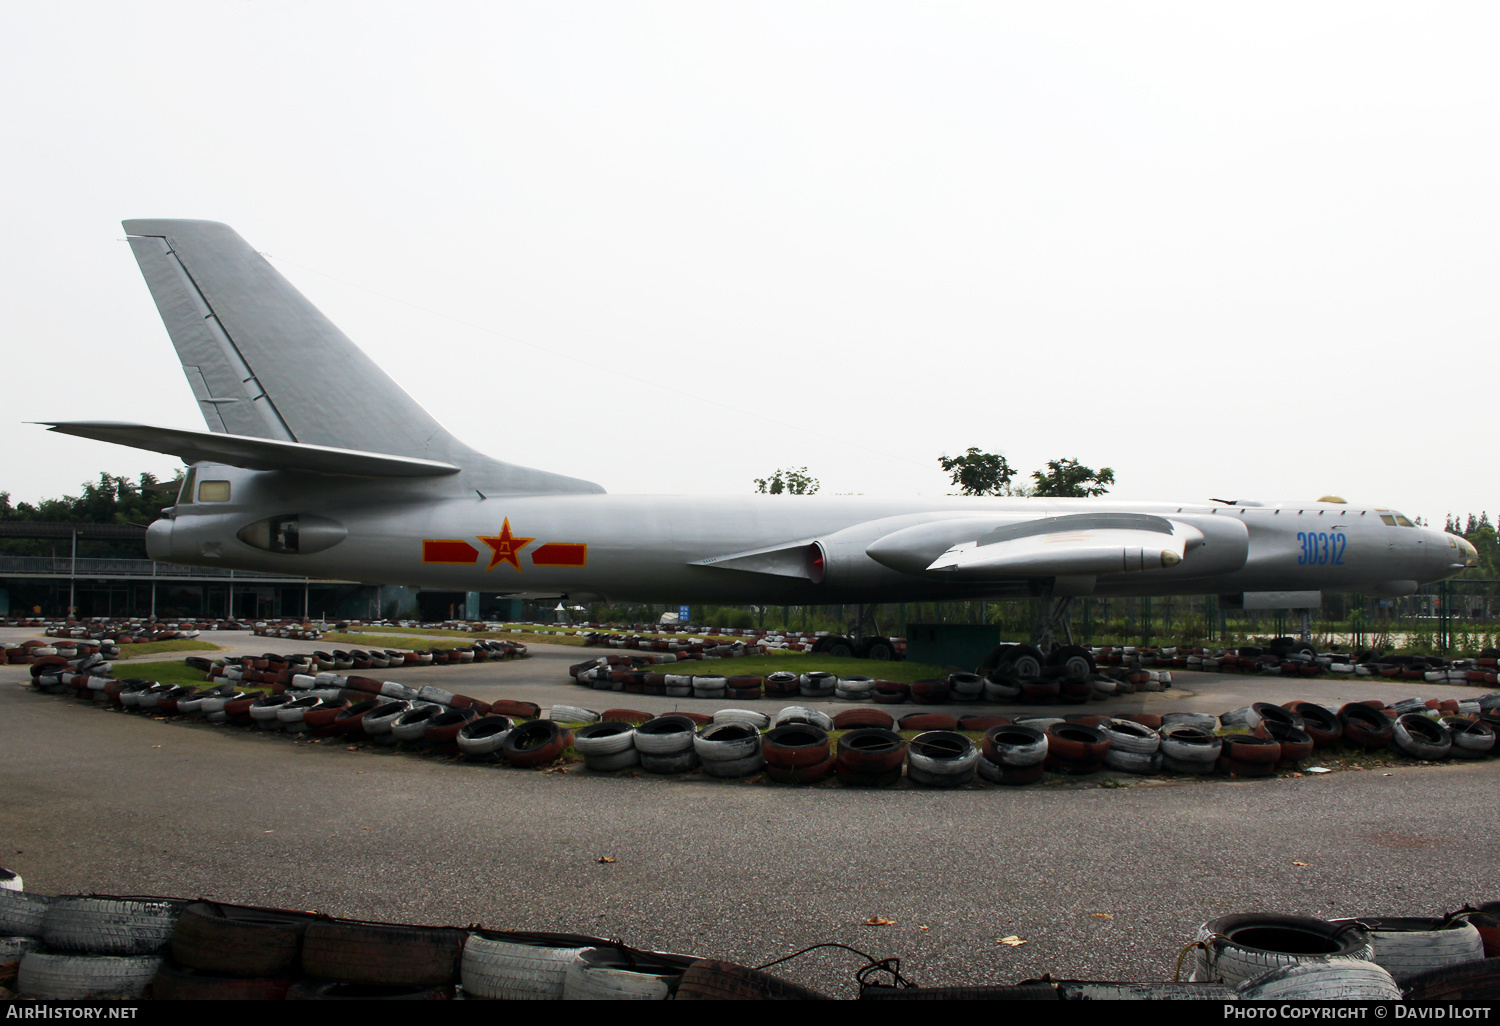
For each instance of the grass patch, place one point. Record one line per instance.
(797, 662)
(156, 647)
(170, 671)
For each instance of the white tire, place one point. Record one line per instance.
(21, 913)
(734, 768)
(517, 972)
(612, 763)
(604, 739)
(58, 977)
(598, 974)
(1130, 737)
(1346, 980)
(1133, 762)
(758, 720)
(105, 926)
(726, 742)
(571, 714)
(1409, 947)
(670, 742)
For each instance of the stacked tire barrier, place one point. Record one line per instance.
(1289, 658)
(939, 749)
(104, 947)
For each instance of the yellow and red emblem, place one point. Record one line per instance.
(505, 547)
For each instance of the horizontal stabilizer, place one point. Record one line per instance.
(252, 453)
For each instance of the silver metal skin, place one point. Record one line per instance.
(295, 476)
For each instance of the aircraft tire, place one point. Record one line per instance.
(878, 649)
(1027, 662)
(713, 980)
(53, 976)
(1015, 747)
(840, 648)
(1233, 949)
(1415, 735)
(536, 743)
(996, 658)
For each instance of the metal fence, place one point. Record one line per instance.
(63, 566)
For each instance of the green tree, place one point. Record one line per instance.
(1069, 479)
(979, 473)
(789, 482)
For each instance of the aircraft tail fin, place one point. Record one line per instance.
(264, 362)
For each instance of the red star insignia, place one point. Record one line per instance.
(507, 548)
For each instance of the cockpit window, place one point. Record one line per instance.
(1387, 520)
(1403, 521)
(213, 491)
(188, 483)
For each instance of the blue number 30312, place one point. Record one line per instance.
(1321, 548)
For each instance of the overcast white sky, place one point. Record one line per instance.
(1228, 250)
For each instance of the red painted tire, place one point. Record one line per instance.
(515, 710)
(1041, 692)
(1321, 724)
(350, 719)
(1075, 742)
(1249, 749)
(802, 774)
(870, 755)
(1365, 727)
(849, 719)
(928, 721)
(536, 743)
(1246, 769)
(795, 746)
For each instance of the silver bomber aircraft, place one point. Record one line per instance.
(316, 463)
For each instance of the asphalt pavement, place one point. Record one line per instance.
(1101, 883)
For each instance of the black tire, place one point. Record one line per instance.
(1409, 947)
(841, 648)
(1074, 661)
(228, 940)
(54, 976)
(879, 649)
(1476, 981)
(712, 980)
(382, 953)
(109, 926)
(1421, 738)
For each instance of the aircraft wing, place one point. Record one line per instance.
(252, 453)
